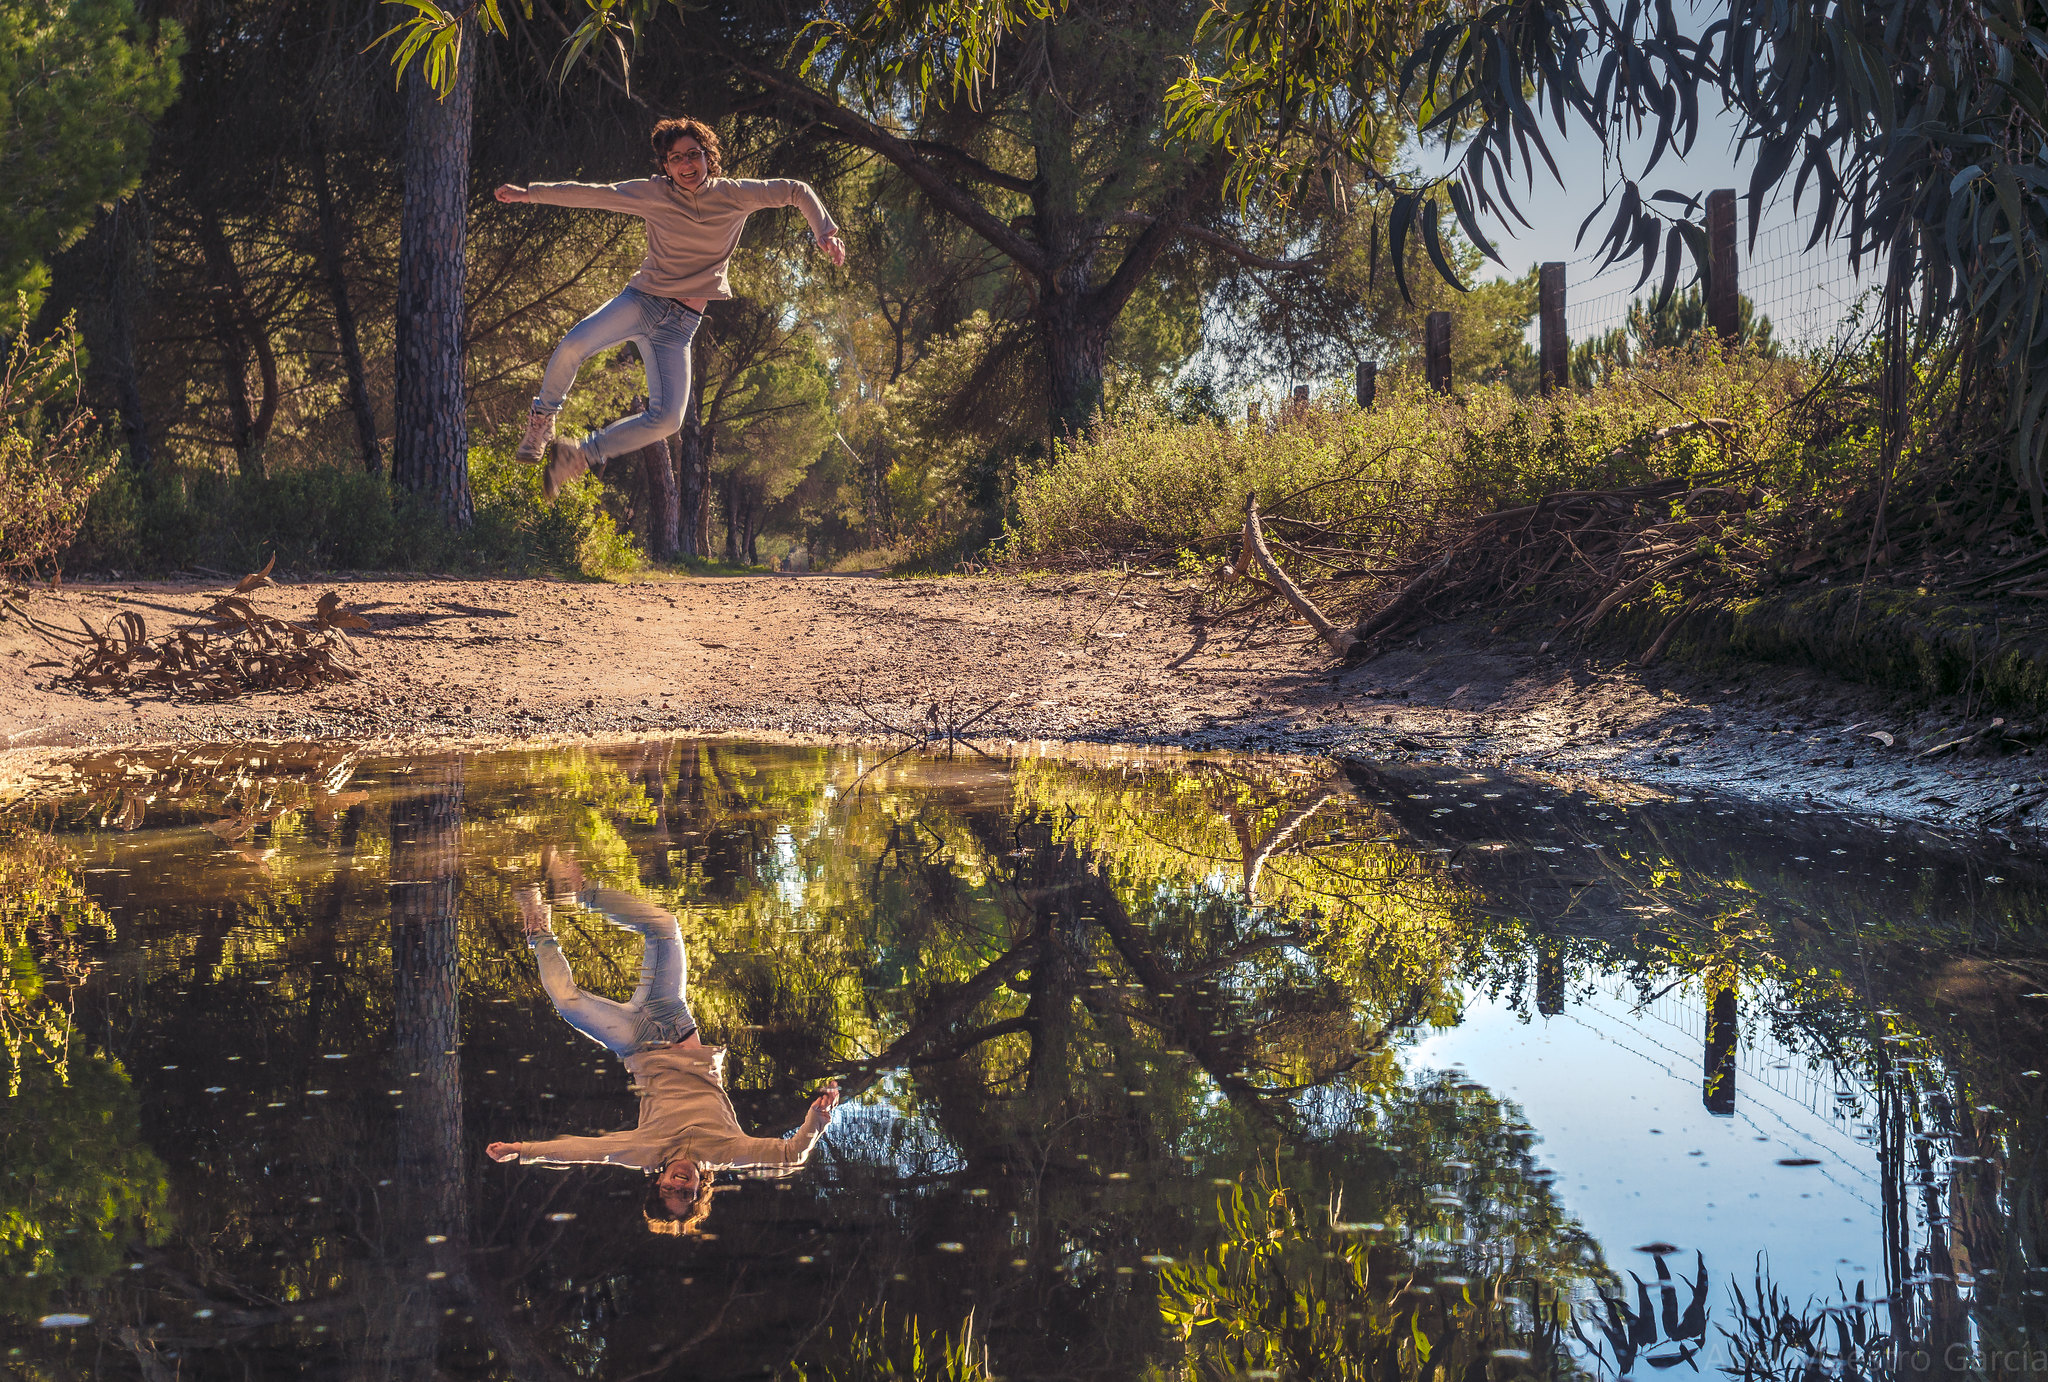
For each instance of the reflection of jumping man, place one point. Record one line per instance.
(687, 1128)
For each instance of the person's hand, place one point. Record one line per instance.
(822, 1106)
(507, 192)
(835, 249)
(502, 1151)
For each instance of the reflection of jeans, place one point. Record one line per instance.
(657, 1014)
(662, 328)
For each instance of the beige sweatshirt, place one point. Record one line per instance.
(683, 1113)
(690, 235)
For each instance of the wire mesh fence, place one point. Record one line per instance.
(1811, 295)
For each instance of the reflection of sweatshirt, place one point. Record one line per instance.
(690, 235)
(683, 1113)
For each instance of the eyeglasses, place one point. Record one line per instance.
(687, 156)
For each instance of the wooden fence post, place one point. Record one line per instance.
(1553, 352)
(1436, 351)
(1368, 382)
(1723, 294)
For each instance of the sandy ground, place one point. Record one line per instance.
(1093, 659)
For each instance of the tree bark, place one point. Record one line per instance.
(426, 869)
(693, 465)
(664, 501)
(430, 1196)
(116, 244)
(1076, 353)
(332, 242)
(731, 503)
(240, 335)
(430, 444)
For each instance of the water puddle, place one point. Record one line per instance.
(1154, 1066)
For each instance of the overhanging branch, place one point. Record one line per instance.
(856, 128)
(972, 166)
(1249, 258)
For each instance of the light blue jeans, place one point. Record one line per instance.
(657, 1014)
(662, 328)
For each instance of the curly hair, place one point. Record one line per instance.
(661, 1219)
(669, 131)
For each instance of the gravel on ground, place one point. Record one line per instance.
(1105, 658)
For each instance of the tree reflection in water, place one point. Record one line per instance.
(1128, 1034)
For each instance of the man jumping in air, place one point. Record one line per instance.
(694, 214)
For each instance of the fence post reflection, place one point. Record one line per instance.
(1719, 1080)
(1549, 980)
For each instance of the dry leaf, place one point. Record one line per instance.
(331, 613)
(1881, 736)
(257, 579)
(242, 649)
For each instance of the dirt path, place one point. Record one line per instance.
(1098, 659)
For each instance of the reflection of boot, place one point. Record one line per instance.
(534, 918)
(565, 877)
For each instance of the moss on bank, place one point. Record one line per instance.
(1911, 642)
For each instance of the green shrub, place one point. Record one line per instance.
(1147, 484)
(340, 518)
(51, 459)
(516, 528)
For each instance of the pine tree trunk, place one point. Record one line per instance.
(707, 455)
(732, 518)
(430, 444)
(692, 447)
(241, 335)
(115, 247)
(693, 497)
(332, 241)
(664, 502)
(1076, 349)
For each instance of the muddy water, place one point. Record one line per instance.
(1204, 1068)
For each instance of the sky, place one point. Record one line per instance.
(1805, 293)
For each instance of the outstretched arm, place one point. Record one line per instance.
(762, 193)
(591, 196)
(612, 1149)
(785, 1156)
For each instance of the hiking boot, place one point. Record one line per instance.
(571, 460)
(540, 430)
(534, 919)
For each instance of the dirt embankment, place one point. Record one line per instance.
(1102, 659)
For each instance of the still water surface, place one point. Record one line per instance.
(1155, 1067)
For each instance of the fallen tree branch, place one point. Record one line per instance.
(1587, 619)
(1989, 731)
(243, 649)
(1664, 636)
(1341, 640)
